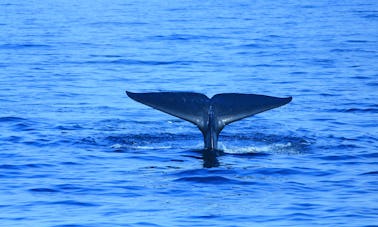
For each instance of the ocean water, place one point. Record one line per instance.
(76, 151)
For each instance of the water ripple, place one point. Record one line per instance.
(212, 180)
(141, 62)
(73, 203)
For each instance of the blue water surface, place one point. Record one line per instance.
(76, 151)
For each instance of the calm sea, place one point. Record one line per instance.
(76, 151)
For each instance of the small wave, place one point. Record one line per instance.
(70, 225)
(338, 157)
(8, 167)
(355, 40)
(143, 223)
(69, 127)
(253, 45)
(32, 165)
(74, 203)
(182, 37)
(373, 84)
(370, 173)
(211, 180)
(371, 16)
(43, 190)
(12, 119)
(277, 171)
(370, 155)
(23, 46)
(361, 110)
(70, 163)
(298, 73)
(13, 139)
(140, 62)
(116, 23)
(88, 141)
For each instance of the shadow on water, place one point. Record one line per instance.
(210, 159)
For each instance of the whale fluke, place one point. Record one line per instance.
(210, 115)
(192, 107)
(232, 107)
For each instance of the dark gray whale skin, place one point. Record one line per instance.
(210, 115)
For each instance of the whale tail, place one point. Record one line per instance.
(210, 115)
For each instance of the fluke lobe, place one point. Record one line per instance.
(210, 115)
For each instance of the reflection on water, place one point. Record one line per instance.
(210, 158)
